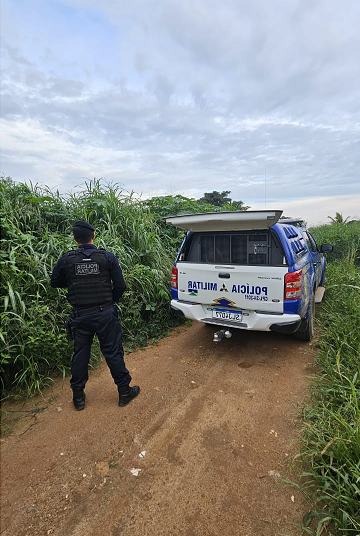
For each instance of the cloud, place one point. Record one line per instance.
(184, 97)
(317, 211)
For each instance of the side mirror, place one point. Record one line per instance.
(326, 248)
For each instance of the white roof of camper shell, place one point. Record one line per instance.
(226, 221)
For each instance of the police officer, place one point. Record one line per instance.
(95, 282)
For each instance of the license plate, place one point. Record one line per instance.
(221, 314)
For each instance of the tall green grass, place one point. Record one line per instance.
(331, 441)
(36, 226)
(345, 237)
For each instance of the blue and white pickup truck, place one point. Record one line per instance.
(248, 270)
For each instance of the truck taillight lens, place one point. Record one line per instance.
(293, 285)
(174, 277)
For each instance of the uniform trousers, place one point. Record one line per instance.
(105, 324)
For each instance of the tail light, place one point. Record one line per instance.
(293, 285)
(174, 277)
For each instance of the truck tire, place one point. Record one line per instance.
(306, 329)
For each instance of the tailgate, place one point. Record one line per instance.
(241, 287)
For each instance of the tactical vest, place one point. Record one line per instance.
(88, 278)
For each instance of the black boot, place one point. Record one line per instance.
(79, 399)
(127, 393)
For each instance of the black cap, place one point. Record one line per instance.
(81, 226)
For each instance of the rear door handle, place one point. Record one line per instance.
(224, 275)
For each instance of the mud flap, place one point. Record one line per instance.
(288, 328)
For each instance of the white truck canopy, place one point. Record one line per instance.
(243, 220)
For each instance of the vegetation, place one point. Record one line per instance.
(339, 218)
(222, 199)
(345, 237)
(331, 451)
(37, 230)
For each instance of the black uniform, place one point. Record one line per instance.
(94, 281)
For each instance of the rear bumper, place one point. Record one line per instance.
(252, 320)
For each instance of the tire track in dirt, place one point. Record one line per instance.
(213, 420)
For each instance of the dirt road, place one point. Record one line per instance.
(216, 425)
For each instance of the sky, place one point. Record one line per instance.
(260, 98)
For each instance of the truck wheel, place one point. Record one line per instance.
(306, 329)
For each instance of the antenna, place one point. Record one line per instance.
(265, 188)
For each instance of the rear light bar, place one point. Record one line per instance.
(174, 277)
(293, 285)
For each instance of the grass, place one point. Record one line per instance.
(331, 435)
(36, 229)
(36, 226)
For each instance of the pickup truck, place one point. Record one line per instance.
(248, 270)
